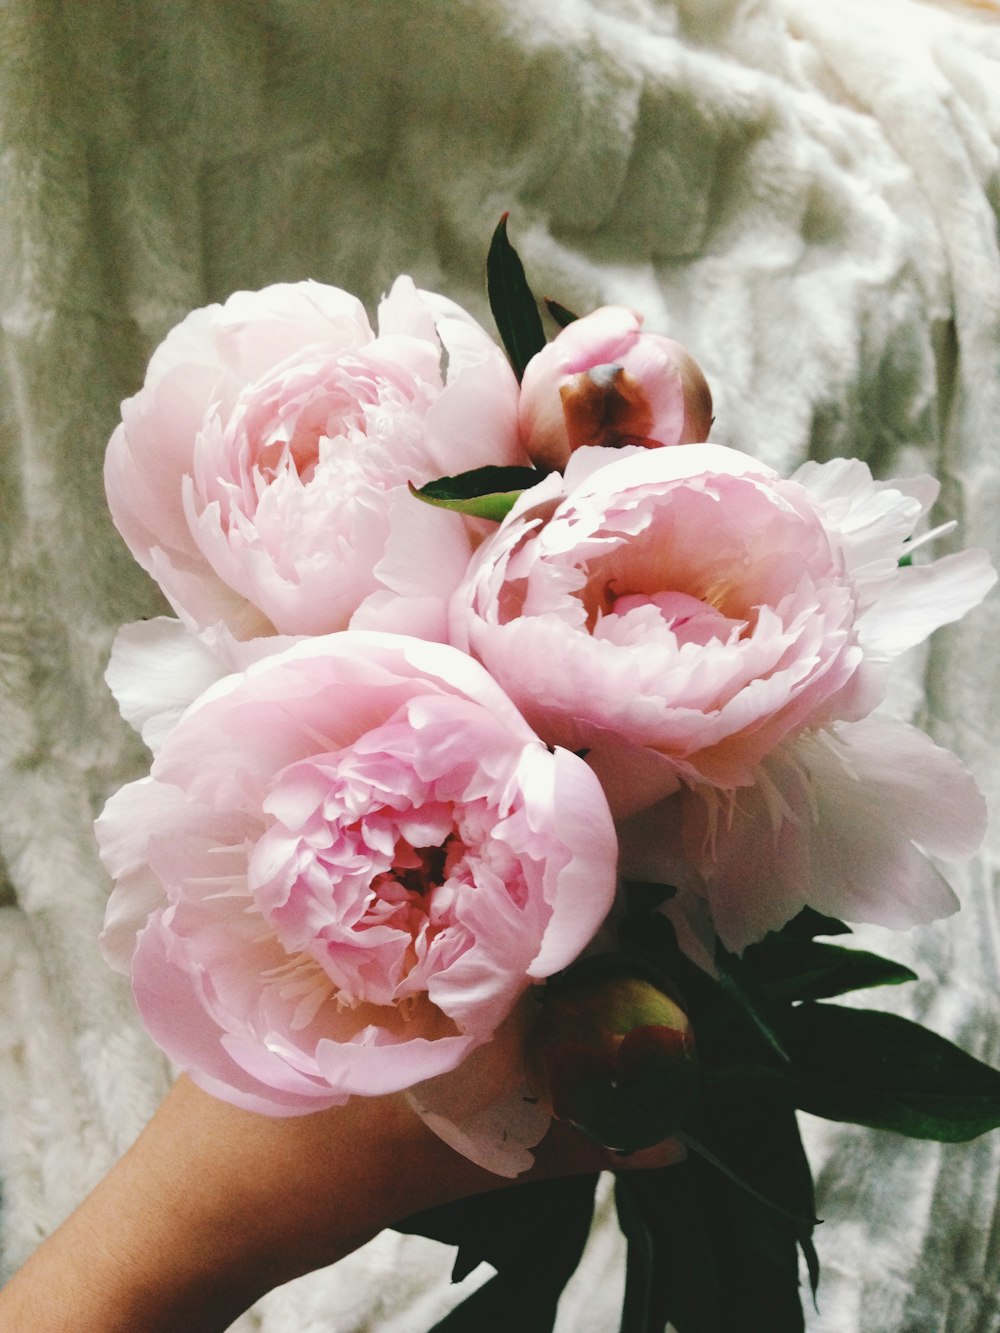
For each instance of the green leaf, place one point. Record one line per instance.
(810, 923)
(738, 981)
(643, 896)
(797, 1220)
(514, 307)
(718, 1251)
(533, 1236)
(559, 313)
(672, 1272)
(649, 938)
(753, 1133)
(880, 1070)
(484, 492)
(640, 1257)
(806, 970)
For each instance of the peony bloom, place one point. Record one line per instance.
(347, 866)
(721, 636)
(602, 381)
(260, 474)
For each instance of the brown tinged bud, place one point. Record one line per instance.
(603, 381)
(614, 1055)
(605, 405)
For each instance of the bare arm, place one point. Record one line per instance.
(213, 1206)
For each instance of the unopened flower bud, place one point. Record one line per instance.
(614, 1055)
(603, 381)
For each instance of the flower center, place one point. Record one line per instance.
(365, 880)
(688, 619)
(292, 440)
(418, 870)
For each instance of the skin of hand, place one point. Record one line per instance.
(213, 1206)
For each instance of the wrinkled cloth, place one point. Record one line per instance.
(804, 195)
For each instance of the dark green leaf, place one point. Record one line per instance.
(484, 492)
(884, 1071)
(806, 970)
(650, 939)
(718, 1251)
(811, 1257)
(559, 313)
(514, 307)
(749, 1072)
(738, 981)
(533, 1236)
(809, 924)
(689, 1141)
(753, 1132)
(643, 897)
(640, 1256)
(671, 1226)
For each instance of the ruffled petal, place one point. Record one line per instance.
(842, 820)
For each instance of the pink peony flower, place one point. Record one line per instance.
(260, 475)
(602, 381)
(348, 865)
(714, 637)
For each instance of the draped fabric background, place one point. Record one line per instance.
(805, 194)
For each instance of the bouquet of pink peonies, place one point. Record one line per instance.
(518, 749)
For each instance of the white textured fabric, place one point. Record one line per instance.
(805, 193)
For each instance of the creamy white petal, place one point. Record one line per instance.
(924, 597)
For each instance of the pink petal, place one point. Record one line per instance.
(178, 1022)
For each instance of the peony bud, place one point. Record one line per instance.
(603, 381)
(614, 1055)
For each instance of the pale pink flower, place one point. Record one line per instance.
(713, 638)
(346, 870)
(603, 381)
(260, 475)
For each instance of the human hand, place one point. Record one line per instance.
(213, 1206)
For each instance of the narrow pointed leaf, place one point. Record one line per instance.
(533, 1236)
(753, 1135)
(808, 970)
(514, 307)
(690, 1142)
(720, 1254)
(809, 923)
(485, 492)
(743, 988)
(640, 1256)
(669, 1220)
(537, 1238)
(881, 1070)
(559, 313)
(643, 897)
